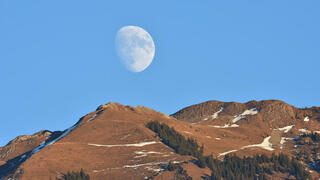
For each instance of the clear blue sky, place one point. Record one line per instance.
(58, 61)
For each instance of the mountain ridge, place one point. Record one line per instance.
(114, 136)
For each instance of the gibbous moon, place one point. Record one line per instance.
(135, 48)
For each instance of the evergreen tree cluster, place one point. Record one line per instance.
(315, 137)
(180, 173)
(256, 167)
(176, 141)
(81, 175)
(232, 167)
(172, 166)
(308, 150)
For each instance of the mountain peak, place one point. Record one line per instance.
(111, 105)
(115, 138)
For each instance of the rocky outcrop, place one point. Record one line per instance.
(22, 144)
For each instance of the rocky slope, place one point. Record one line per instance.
(113, 142)
(109, 143)
(22, 144)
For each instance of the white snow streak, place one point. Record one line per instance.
(144, 153)
(187, 132)
(215, 115)
(154, 169)
(305, 131)
(286, 129)
(225, 153)
(264, 145)
(125, 145)
(45, 144)
(225, 126)
(306, 119)
(252, 111)
(146, 164)
(93, 117)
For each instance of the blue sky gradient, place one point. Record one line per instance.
(58, 61)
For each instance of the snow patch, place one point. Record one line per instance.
(209, 137)
(305, 131)
(293, 138)
(144, 153)
(154, 169)
(151, 163)
(252, 111)
(45, 144)
(218, 139)
(264, 145)
(139, 165)
(286, 129)
(187, 132)
(306, 119)
(141, 144)
(93, 117)
(282, 141)
(125, 137)
(225, 153)
(225, 126)
(48, 143)
(214, 116)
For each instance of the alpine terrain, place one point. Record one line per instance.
(212, 140)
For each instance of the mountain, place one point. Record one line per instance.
(113, 142)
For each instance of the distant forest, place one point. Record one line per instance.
(232, 167)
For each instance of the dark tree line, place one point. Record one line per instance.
(232, 167)
(308, 148)
(256, 167)
(315, 137)
(81, 175)
(176, 141)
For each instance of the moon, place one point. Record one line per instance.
(135, 48)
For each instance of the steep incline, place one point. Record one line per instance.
(110, 143)
(22, 144)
